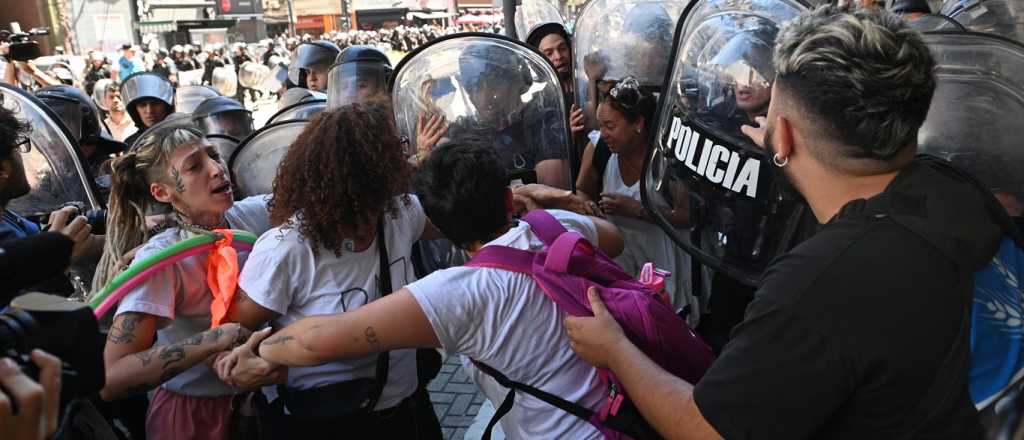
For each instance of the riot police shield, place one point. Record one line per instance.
(1004, 18)
(300, 111)
(53, 167)
(190, 77)
(533, 13)
(493, 91)
(255, 161)
(224, 144)
(933, 22)
(189, 97)
(252, 75)
(225, 80)
(613, 39)
(721, 79)
(974, 120)
(275, 79)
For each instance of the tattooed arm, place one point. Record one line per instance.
(392, 322)
(134, 365)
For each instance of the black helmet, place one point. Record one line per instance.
(310, 54)
(909, 6)
(223, 115)
(81, 117)
(544, 29)
(358, 73)
(142, 86)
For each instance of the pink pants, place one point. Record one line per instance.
(174, 416)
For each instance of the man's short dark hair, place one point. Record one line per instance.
(12, 132)
(863, 78)
(462, 189)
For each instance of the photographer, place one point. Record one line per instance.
(14, 184)
(29, 409)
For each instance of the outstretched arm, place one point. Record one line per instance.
(393, 322)
(133, 365)
(664, 400)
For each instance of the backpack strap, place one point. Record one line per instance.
(545, 225)
(503, 257)
(513, 386)
(384, 283)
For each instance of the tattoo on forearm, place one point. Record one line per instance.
(145, 356)
(279, 340)
(213, 335)
(125, 333)
(371, 338)
(171, 354)
(169, 374)
(178, 185)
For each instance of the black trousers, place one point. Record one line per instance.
(413, 419)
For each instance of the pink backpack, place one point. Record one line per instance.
(565, 271)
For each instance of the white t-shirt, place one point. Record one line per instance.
(283, 275)
(178, 294)
(503, 319)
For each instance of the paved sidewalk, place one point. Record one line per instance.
(458, 402)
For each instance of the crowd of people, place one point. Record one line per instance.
(505, 208)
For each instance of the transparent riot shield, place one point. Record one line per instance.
(275, 79)
(254, 163)
(721, 77)
(251, 75)
(225, 80)
(300, 111)
(613, 39)
(533, 13)
(934, 22)
(187, 98)
(1004, 18)
(224, 144)
(494, 91)
(190, 77)
(975, 118)
(52, 165)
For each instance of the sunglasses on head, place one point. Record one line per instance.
(626, 92)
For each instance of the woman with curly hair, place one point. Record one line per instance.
(340, 200)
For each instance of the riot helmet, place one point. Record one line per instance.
(561, 57)
(315, 57)
(720, 79)
(909, 7)
(99, 93)
(223, 115)
(189, 97)
(532, 14)
(305, 109)
(359, 73)
(143, 87)
(276, 78)
(81, 117)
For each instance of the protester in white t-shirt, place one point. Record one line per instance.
(161, 332)
(493, 316)
(325, 257)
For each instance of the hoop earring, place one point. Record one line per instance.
(778, 163)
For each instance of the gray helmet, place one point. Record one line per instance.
(143, 86)
(311, 54)
(223, 115)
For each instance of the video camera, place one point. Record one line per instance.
(63, 328)
(22, 48)
(97, 219)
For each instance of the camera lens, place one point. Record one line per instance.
(16, 331)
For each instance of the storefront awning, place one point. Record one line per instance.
(156, 27)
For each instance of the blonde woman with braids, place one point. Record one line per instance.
(161, 332)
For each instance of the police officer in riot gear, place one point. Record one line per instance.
(360, 73)
(223, 115)
(310, 63)
(149, 99)
(80, 115)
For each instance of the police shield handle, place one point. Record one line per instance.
(757, 133)
(713, 160)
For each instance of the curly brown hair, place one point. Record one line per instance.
(342, 173)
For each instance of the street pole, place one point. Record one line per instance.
(344, 16)
(291, 18)
(508, 7)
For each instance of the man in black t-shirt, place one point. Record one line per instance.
(849, 333)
